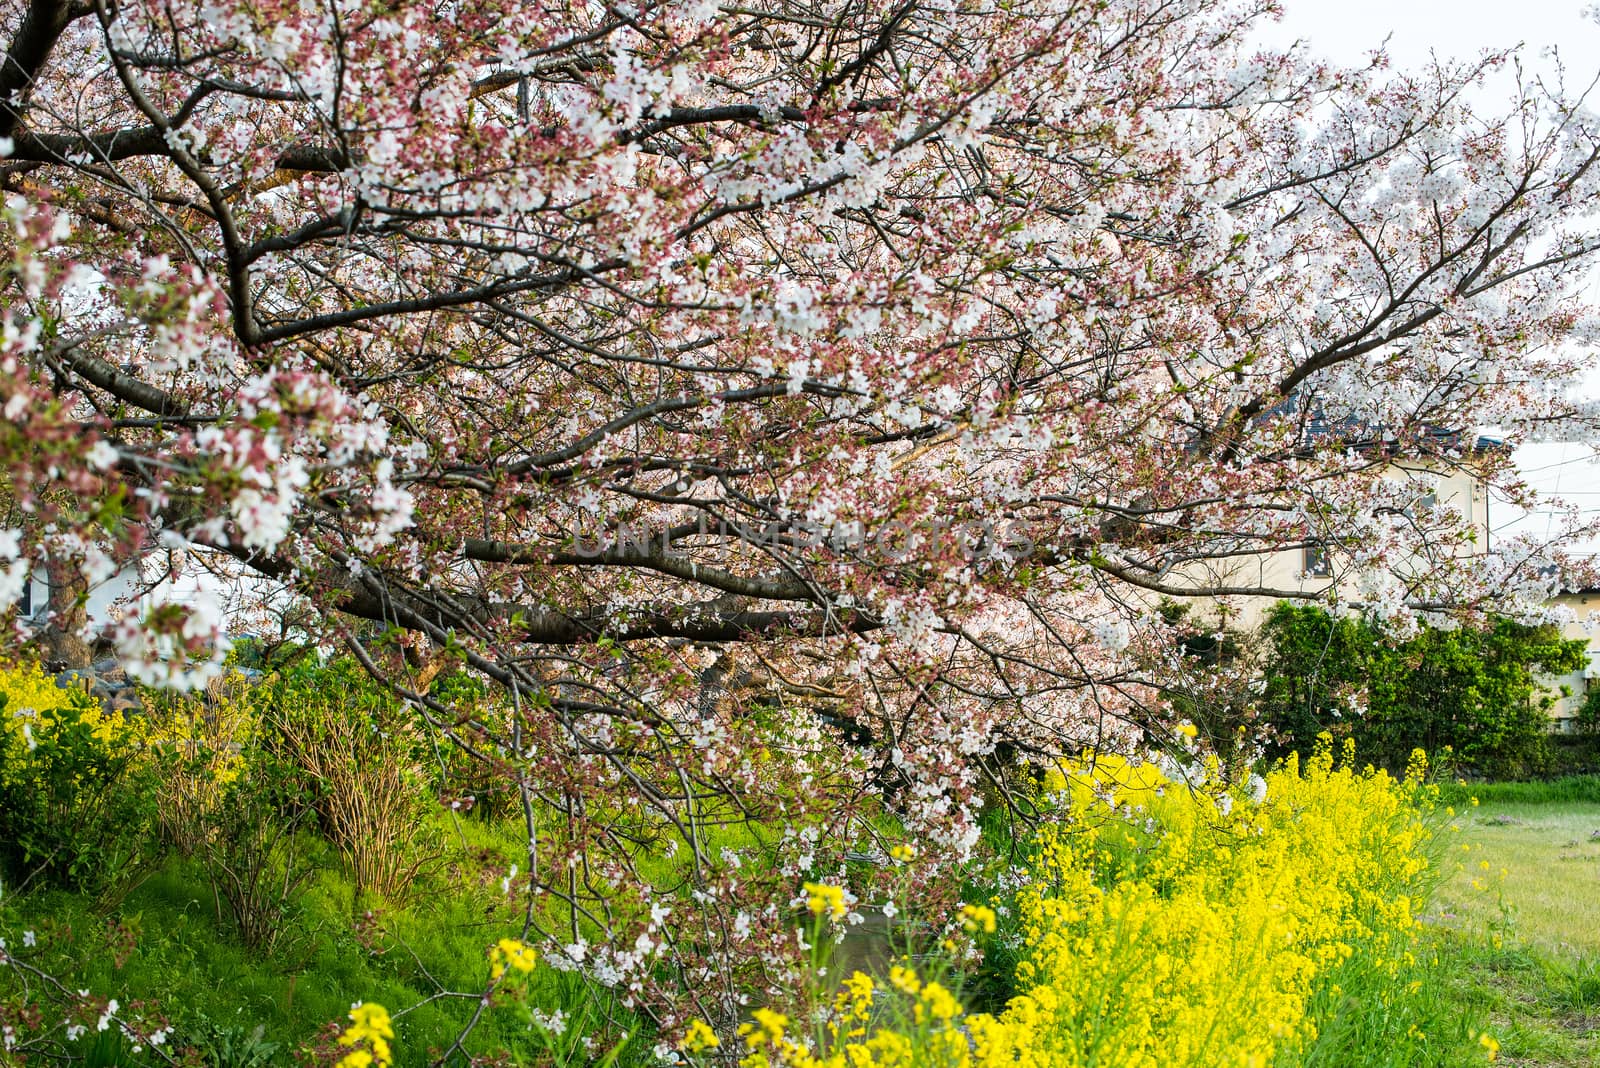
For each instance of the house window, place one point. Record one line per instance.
(1317, 562)
(1423, 505)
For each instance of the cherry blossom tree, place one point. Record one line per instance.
(794, 407)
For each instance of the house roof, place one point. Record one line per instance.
(1318, 428)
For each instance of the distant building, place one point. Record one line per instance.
(1316, 568)
(108, 601)
(247, 602)
(1569, 471)
(1573, 688)
(1434, 470)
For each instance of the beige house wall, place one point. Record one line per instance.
(1287, 571)
(1572, 688)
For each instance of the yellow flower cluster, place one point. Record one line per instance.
(38, 713)
(699, 1038)
(825, 900)
(978, 918)
(854, 1003)
(1191, 935)
(370, 1031)
(933, 1035)
(1102, 782)
(936, 1002)
(510, 953)
(766, 1029)
(1205, 948)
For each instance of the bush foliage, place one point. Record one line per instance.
(77, 802)
(1471, 691)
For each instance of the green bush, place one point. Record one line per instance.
(358, 756)
(1574, 754)
(1471, 691)
(472, 781)
(251, 849)
(77, 796)
(1588, 718)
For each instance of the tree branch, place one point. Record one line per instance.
(30, 50)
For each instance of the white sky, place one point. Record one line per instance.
(1345, 32)
(1569, 471)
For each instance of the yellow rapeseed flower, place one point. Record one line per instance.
(369, 1024)
(766, 1030)
(938, 1002)
(855, 1000)
(904, 979)
(1200, 950)
(823, 899)
(698, 1037)
(511, 953)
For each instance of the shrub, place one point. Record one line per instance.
(250, 847)
(1472, 691)
(473, 782)
(200, 746)
(1588, 717)
(77, 796)
(230, 1045)
(356, 752)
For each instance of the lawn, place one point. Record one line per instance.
(1550, 856)
(165, 944)
(1519, 915)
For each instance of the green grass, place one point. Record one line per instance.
(218, 992)
(1550, 855)
(1567, 790)
(1522, 949)
(1542, 1011)
(1367, 1017)
(339, 947)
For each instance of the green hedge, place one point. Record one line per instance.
(1469, 691)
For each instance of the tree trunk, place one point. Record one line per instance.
(61, 642)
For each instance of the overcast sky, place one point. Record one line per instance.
(1346, 31)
